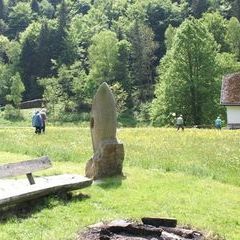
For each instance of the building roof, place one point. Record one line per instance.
(230, 92)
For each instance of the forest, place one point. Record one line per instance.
(161, 58)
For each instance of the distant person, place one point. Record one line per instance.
(218, 123)
(44, 118)
(37, 122)
(180, 123)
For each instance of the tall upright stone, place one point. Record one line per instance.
(108, 153)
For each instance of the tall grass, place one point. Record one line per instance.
(192, 175)
(203, 153)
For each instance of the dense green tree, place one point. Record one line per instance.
(82, 88)
(11, 86)
(4, 45)
(159, 16)
(75, 85)
(222, 6)
(29, 66)
(143, 47)
(12, 3)
(233, 36)
(69, 90)
(82, 29)
(122, 69)
(2, 9)
(120, 97)
(47, 9)
(5, 75)
(13, 54)
(103, 57)
(16, 90)
(112, 9)
(80, 7)
(35, 6)
(63, 17)
(3, 26)
(20, 17)
(60, 43)
(169, 36)
(37, 56)
(44, 54)
(55, 3)
(227, 64)
(217, 25)
(235, 8)
(188, 82)
(198, 7)
(53, 96)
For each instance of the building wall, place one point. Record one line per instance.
(233, 116)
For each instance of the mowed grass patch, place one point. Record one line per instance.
(191, 175)
(205, 204)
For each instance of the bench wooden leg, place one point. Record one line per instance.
(30, 178)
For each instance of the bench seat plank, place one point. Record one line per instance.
(15, 191)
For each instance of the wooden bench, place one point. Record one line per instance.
(14, 191)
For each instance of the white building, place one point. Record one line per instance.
(230, 97)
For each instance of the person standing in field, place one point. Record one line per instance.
(218, 123)
(180, 123)
(37, 122)
(44, 118)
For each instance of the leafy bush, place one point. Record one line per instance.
(12, 113)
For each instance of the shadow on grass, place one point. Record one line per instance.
(110, 183)
(28, 208)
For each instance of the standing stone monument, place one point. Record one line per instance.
(108, 153)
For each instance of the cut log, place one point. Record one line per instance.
(15, 191)
(158, 222)
(133, 229)
(185, 233)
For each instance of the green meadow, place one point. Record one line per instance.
(192, 176)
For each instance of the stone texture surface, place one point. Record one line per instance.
(103, 117)
(108, 152)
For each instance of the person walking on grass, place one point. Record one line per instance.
(37, 122)
(218, 123)
(44, 118)
(180, 123)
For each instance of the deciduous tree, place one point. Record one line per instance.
(233, 36)
(187, 83)
(103, 57)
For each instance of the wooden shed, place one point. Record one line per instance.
(230, 97)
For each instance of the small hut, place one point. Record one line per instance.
(230, 97)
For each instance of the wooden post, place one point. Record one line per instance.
(30, 178)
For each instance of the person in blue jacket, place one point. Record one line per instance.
(37, 122)
(218, 123)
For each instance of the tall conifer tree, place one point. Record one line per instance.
(2, 9)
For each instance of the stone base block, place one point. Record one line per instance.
(106, 162)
